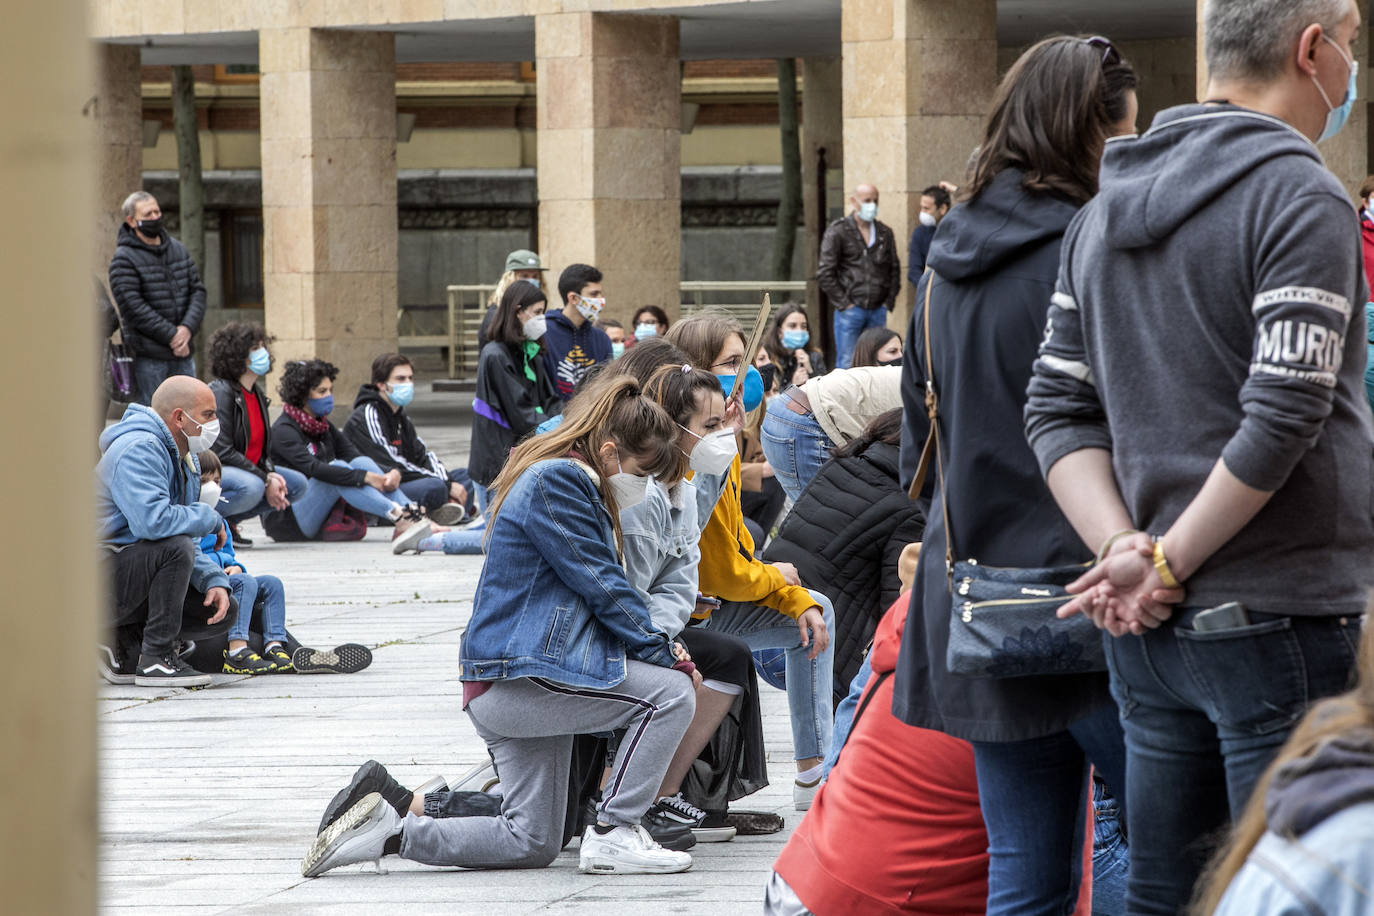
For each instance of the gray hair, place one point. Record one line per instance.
(133, 200)
(1251, 39)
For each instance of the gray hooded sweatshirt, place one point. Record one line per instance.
(1209, 306)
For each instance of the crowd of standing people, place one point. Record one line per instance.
(1065, 586)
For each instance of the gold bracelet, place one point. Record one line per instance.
(1166, 575)
(1107, 544)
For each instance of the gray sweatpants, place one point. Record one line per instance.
(528, 725)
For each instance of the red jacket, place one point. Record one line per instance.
(896, 829)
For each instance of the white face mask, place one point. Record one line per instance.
(714, 451)
(209, 432)
(209, 493)
(534, 328)
(928, 219)
(629, 489)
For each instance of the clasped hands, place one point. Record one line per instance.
(1123, 593)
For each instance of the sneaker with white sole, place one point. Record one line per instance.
(409, 538)
(448, 514)
(170, 670)
(803, 793)
(115, 668)
(477, 778)
(680, 811)
(628, 851)
(359, 835)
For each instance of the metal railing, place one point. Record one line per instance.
(467, 304)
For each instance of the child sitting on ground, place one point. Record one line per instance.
(249, 591)
(266, 596)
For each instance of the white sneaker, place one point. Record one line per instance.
(628, 851)
(409, 539)
(477, 778)
(803, 793)
(359, 835)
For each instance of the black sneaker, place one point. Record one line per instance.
(370, 777)
(349, 658)
(668, 833)
(678, 810)
(279, 658)
(245, 661)
(116, 666)
(168, 671)
(239, 539)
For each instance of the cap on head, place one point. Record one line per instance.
(523, 260)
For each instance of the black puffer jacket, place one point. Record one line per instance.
(232, 410)
(845, 535)
(156, 288)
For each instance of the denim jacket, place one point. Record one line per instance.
(661, 552)
(1326, 870)
(553, 600)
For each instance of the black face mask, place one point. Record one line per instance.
(767, 372)
(150, 227)
(895, 361)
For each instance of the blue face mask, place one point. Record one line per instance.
(617, 350)
(1337, 115)
(753, 387)
(795, 340)
(321, 407)
(259, 361)
(645, 330)
(402, 393)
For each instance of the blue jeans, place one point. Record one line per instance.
(243, 493)
(808, 682)
(844, 713)
(794, 444)
(467, 541)
(1204, 714)
(265, 592)
(313, 507)
(1034, 797)
(149, 373)
(432, 492)
(849, 324)
(1111, 858)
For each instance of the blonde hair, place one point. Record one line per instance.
(1335, 716)
(610, 409)
(506, 280)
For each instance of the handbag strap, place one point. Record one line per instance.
(932, 446)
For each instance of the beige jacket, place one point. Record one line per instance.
(847, 400)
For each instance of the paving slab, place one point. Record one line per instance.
(210, 797)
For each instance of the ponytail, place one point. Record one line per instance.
(610, 409)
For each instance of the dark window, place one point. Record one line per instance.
(242, 234)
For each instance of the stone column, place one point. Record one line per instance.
(115, 110)
(329, 196)
(48, 560)
(822, 129)
(609, 161)
(919, 77)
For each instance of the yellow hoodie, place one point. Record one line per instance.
(729, 569)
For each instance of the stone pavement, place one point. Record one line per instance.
(210, 797)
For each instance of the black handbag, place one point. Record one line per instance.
(1002, 620)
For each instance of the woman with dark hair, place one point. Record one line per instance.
(305, 440)
(787, 341)
(239, 357)
(990, 274)
(514, 393)
(650, 321)
(877, 347)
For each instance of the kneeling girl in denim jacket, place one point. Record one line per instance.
(559, 644)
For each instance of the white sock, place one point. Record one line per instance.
(732, 690)
(812, 774)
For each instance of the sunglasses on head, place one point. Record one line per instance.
(1110, 55)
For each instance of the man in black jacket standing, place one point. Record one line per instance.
(159, 293)
(860, 272)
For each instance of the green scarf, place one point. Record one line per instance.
(531, 348)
